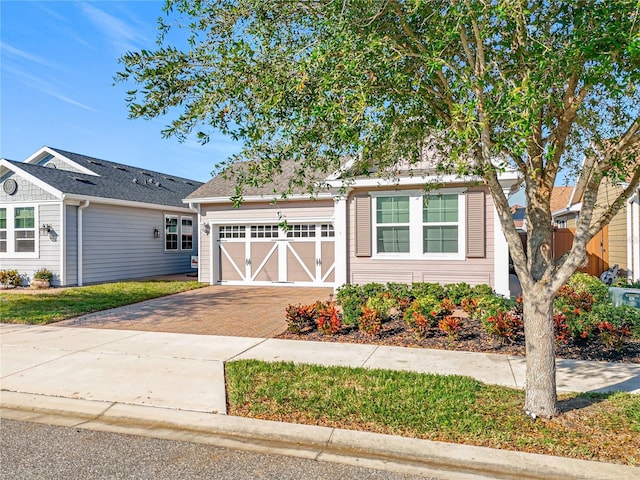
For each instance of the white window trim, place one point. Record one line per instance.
(415, 225)
(179, 233)
(11, 241)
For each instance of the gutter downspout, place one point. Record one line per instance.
(63, 243)
(82, 206)
(197, 210)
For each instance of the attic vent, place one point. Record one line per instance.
(135, 180)
(95, 162)
(188, 183)
(170, 179)
(145, 173)
(51, 165)
(83, 180)
(121, 168)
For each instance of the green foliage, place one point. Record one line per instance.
(399, 290)
(351, 298)
(457, 291)
(426, 289)
(583, 283)
(10, 278)
(425, 312)
(43, 274)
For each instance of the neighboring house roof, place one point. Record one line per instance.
(560, 197)
(518, 212)
(109, 180)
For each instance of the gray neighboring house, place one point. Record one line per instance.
(90, 220)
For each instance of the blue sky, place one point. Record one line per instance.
(57, 63)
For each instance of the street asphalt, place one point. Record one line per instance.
(171, 386)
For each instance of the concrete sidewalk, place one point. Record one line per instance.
(173, 384)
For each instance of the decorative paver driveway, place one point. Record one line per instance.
(215, 310)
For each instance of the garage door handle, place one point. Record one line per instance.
(247, 261)
(318, 261)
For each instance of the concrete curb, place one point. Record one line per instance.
(445, 461)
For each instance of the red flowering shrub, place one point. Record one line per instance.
(329, 320)
(450, 326)
(504, 325)
(301, 317)
(370, 321)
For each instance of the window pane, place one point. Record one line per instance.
(393, 239)
(25, 241)
(171, 233)
(440, 208)
(25, 217)
(3, 241)
(440, 239)
(3, 218)
(392, 209)
(187, 233)
(171, 224)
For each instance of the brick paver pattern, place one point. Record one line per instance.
(214, 310)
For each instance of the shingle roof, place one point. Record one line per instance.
(560, 198)
(114, 180)
(222, 187)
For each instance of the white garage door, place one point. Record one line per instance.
(303, 254)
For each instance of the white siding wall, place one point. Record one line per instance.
(118, 244)
(47, 211)
(47, 245)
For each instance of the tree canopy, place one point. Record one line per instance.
(540, 86)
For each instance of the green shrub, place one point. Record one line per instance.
(482, 290)
(10, 278)
(351, 298)
(384, 304)
(399, 290)
(583, 282)
(423, 314)
(622, 317)
(457, 291)
(624, 283)
(372, 289)
(426, 289)
(43, 274)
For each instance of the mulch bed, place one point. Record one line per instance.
(472, 338)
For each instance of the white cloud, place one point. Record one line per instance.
(24, 55)
(120, 34)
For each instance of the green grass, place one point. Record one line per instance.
(444, 408)
(42, 308)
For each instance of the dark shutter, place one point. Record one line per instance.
(363, 225)
(476, 225)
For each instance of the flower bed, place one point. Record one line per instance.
(461, 317)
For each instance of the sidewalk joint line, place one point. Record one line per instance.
(245, 350)
(370, 355)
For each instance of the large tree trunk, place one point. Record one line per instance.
(540, 394)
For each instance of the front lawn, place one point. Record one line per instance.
(43, 308)
(603, 427)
